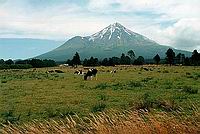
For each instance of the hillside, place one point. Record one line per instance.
(111, 41)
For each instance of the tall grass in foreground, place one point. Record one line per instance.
(112, 123)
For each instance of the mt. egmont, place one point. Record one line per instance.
(111, 41)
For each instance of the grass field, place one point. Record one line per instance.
(31, 94)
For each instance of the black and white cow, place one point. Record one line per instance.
(79, 72)
(113, 71)
(91, 73)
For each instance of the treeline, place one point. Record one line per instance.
(171, 59)
(25, 64)
(130, 59)
(125, 59)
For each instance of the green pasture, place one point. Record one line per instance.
(31, 94)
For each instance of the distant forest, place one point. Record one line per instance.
(125, 59)
(130, 59)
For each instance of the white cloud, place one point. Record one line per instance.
(64, 20)
(185, 34)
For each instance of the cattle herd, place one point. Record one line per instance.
(89, 73)
(92, 72)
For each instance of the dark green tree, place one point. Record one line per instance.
(123, 59)
(131, 54)
(114, 61)
(1, 61)
(36, 63)
(85, 62)
(69, 62)
(170, 56)
(180, 58)
(105, 62)
(91, 61)
(157, 59)
(111, 62)
(187, 62)
(139, 61)
(128, 60)
(76, 59)
(49, 63)
(195, 58)
(9, 62)
(21, 62)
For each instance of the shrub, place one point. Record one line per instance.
(99, 107)
(66, 112)
(147, 79)
(190, 90)
(131, 84)
(196, 76)
(3, 81)
(146, 102)
(9, 117)
(103, 97)
(101, 86)
(187, 73)
(165, 71)
(50, 113)
(62, 113)
(117, 86)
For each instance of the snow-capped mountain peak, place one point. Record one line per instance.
(114, 29)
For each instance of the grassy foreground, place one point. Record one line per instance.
(26, 95)
(139, 122)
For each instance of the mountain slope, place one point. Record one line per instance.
(111, 41)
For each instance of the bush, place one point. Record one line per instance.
(66, 112)
(146, 102)
(103, 97)
(165, 71)
(187, 73)
(9, 117)
(3, 81)
(117, 86)
(99, 107)
(62, 113)
(147, 79)
(190, 90)
(168, 106)
(101, 86)
(134, 84)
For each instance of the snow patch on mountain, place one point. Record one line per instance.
(116, 30)
(99, 35)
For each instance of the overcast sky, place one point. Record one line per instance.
(168, 22)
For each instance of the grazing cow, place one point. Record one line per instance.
(79, 72)
(113, 71)
(58, 71)
(144, 68)
(76, 72)
(51, 71)
(90, 73)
